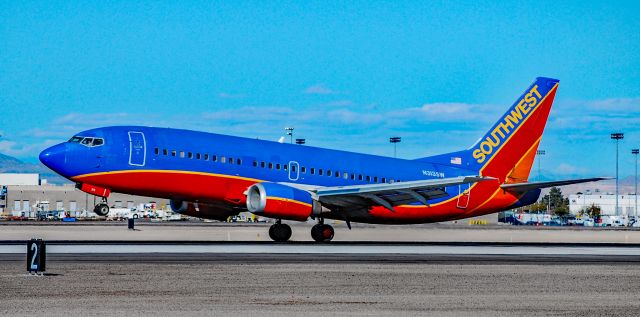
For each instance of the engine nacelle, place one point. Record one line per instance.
(279, 201)
(201, 210)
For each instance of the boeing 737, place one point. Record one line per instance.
(215, 176)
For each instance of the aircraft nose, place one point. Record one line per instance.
(54, 157)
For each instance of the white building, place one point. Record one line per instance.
(19, 179)
(606, 201)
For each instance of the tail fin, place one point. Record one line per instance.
(508, 149)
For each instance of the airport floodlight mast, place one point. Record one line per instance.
(540, 153)
(395, 140)
(617, 137)
(301, 141)
(289, 133)
(635, 192)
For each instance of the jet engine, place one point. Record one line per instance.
(280, 201)
(202, 210)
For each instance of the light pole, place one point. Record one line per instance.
(395, 140)
(635, 153)
(289, 133)
(539, 153)
(301, 141)
(617, 137)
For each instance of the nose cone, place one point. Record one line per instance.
(54, 157)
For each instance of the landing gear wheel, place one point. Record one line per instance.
(322, 233)
(101, 209)
(280, 232)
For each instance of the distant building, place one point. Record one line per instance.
(606, 202)
(15, 179)
(25, 197)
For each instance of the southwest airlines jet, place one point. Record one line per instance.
(215, 176)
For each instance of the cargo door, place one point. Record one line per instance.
(137, 148)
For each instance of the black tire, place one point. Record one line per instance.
(101, 209)
(280, 232)
(322, 233)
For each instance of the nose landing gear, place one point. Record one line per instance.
(102, 209)
(280, 232)
(322, 232)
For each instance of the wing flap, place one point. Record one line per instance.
(390, 195)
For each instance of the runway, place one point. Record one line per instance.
(191, 270)
(201, 278)
(181, 251)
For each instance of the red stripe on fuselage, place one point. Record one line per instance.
(181, 185)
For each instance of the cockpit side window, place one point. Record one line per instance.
(76, 139)
(87, 141)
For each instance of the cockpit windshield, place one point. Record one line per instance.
(87, 141)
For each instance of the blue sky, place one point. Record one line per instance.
(346, 75)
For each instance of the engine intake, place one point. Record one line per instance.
(279, 201)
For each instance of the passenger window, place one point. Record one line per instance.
(214, 158)
(345, 175)
(197, 156)
(231, 160)
(329, 173)
(384, 180)
(181, 154)
(262, 164)
(285, 166)
(223, 159)
(165, 152)
(313, 170)
(173, 153)
(99, 142)
(206, 157)
(368, 178)
(255, 163)
(277, 166)
(239, 161)
(391, 181)
(303, 170)
(190, 155)
(375, 179)
(156, 151)
(353, 176)
(359, 177)
(336, 174)
(320, 172)
(270, 165)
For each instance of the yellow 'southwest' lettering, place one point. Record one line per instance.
(507, 125)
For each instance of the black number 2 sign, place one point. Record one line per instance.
(36, 255)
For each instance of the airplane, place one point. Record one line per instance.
(216, 176)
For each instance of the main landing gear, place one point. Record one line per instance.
(102, 209)
(280, 232)
(322, 232)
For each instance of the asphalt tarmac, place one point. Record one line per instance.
(156, 286)
(182, 277)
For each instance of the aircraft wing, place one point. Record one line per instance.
(389, 195)
(524, 187)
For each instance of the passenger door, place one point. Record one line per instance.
(464, 192)
(137, 148)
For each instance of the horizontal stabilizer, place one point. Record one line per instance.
(525, 187)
